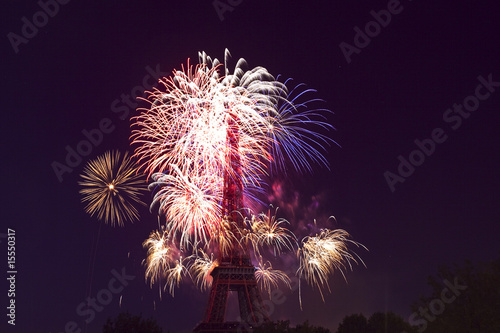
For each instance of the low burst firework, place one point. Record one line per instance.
(266, 230)
(201, 267)
(159, 257)
(111, 188)
(323, 254)
(269, 278)
(175, 274)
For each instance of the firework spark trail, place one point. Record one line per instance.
(269, 278)
(188, 204)
(111, 187)
(200, 269)
(228, 237)
(159, 257)
(289, 127)
(323, 254)
(161, 262)
(187, 126)
(265, 230)
(174, 275)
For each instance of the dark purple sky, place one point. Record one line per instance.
(406, 83)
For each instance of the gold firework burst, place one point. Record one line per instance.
(266, 230)
(268, 278)
(201, 268)
(323, 254)
(111, 188)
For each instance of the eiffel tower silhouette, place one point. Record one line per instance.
(235, 271)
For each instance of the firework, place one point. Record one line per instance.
(159, 257)
(266, 230)
(111, 188)
(174, 275)
(323, 254)
(207, 142)
(164, 262)
(189, 206)
(269, 278)
(228, 237)
(201, 267)
(182, 140)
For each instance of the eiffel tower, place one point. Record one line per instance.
(235, 271)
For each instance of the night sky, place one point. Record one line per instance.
(397, 95)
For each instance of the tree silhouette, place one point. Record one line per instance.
(283, 326)
(388, 322)
(356, 323)
(306, 328)
(127, 323)
(379, 322)
(464, 299)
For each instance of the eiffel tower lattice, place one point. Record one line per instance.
(234, 271)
